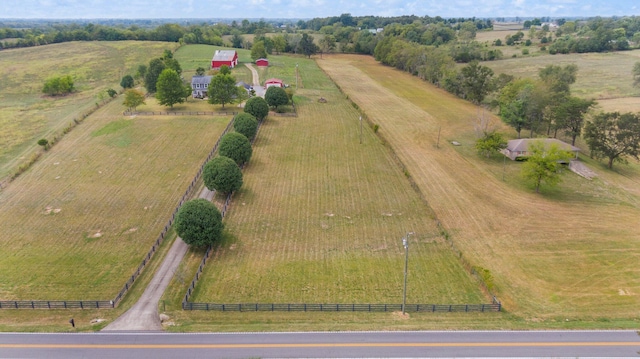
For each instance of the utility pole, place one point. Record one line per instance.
(296, 75)
(405, 243)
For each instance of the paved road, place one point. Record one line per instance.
(144, 314)
(324, 345)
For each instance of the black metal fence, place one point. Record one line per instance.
(57, 304)
(179, 113)
(302, 307)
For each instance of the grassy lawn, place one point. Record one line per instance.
(569, 252)
(27, 115)
(80, 220)
(320, 218)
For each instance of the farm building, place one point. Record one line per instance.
(224, 57)
(199, 86)
(262, 62)
(519, 149)
(273, 82)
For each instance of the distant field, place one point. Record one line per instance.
(491, 36)
(320, 217)
(600, 76)
(28, 116)
(627, 104)
(78, 223)
(570, 252)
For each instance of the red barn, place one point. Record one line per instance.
(273, 82)
(224, 57)
(262, 62)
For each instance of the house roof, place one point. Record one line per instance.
(522, 145)
(224, 55)
(273, 81)
(262, 59)
(243, 84)
(201, 79)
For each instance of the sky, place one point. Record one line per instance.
(304, 9)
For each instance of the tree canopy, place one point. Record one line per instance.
(258, 51)
(222, 90)
(235, 146)
(306, 46)
(246, 124)
(169, 88)
(199, 223)
(127, 82)
(153, 72)
(476, 81)
(59, 85)
(222, 174)
(276, 96)
(133, 98)
(542, 165)
(258, 107)
(613, 135)
(491, 142)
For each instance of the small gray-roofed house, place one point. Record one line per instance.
(200, 85)
(519, 149)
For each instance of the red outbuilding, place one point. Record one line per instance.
(224, 57)
(262, 62)
(273, 82)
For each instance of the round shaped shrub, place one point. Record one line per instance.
(199, 223)
(246, 124)
(276, 96)
(235, 146)
(258, 107)
(222, 174)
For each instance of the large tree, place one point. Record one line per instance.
(570, 115)
(559, 78)
(491, 142)
(199, 223)
(276, 96)
(223, 90)
(543, 165)
(222, 174)
(512, 106)
(127, 82)
(306, 45)
(246, 124)
(327, 44)
(258, 51)
(258, 107)
(133, 98)
(169, 88)
(153, 72)
(476, 81)
(613, 135)
(235, 146)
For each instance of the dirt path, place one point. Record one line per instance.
(143, 316)
(256, 81)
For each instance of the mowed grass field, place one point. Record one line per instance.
(78, 223)
(600, 76)
(567, 253)
(28, 115)
(320, 217)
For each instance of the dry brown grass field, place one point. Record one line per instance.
(567, 253)
(78, 223)
(320, 218)
(27, 115)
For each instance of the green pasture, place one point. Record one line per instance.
(320, 218)
(79, 222)
(28, 115)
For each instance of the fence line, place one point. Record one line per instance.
(192, 286)
(179, 113)
(166, 228)
(57, 304)
(308, 307)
